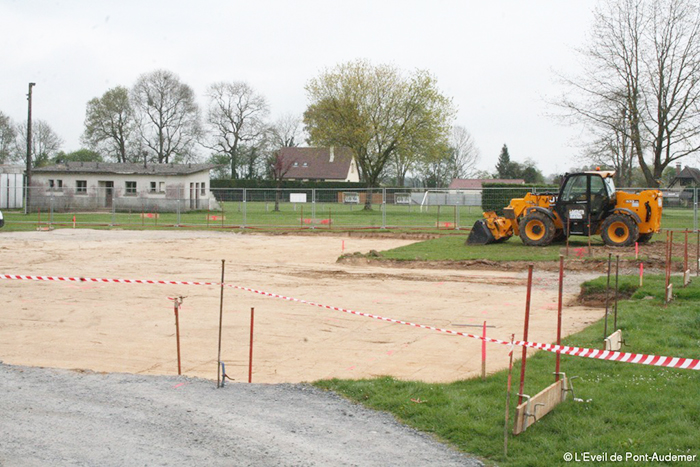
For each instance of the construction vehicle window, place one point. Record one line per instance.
(597, 187)
(598, 194)
(610, 184)
(575, 189)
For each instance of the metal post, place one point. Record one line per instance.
(177, 207)
(510, 379)
(245, 208)
(559, 312)
(313, 208)
(525, 332)
(483, 353)
(695, 210)
(250, 355)
(383, 208)
(178, 301)
(219, 381)
(607, 299)
(29, 142)
(617, 286)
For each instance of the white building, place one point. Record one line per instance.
(123, 187)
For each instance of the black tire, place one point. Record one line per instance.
(559, 236)
(644, 238)
(619, 230)
(537, 229)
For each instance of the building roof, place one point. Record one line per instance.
(124, 169)
(477, 183)
(687, 174)
(317, 163)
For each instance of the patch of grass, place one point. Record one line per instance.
(626, 407)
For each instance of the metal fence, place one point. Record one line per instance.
(380, 208)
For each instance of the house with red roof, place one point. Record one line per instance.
(333, 164)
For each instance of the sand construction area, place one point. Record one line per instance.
(130, 328)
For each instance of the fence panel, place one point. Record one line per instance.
(327, 208)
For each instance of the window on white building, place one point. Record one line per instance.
(81, 187)
(131, 188)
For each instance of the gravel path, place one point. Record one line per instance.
(60, 417)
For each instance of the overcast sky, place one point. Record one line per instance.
(497, 59)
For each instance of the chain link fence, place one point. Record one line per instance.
(273, 208)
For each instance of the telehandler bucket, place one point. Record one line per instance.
(480, 234)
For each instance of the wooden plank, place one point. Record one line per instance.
(539, 405)
(614, 341)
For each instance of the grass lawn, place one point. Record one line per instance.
(623, 407)
(309, 215)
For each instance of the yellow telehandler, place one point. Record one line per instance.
(587, 202)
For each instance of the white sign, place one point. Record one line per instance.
(297, 197)
(576, 214)
(402, 198)
(351, 198)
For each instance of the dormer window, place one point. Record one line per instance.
(305, 164)
(296, 164)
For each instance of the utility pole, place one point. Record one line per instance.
(29, 147)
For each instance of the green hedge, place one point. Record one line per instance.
(496, 196)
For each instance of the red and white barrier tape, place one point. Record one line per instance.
(642, 359)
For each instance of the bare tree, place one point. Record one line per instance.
(236, 116)
(110, 125)
(465, 153)
(7, 138)
(168, 116)
(285, 132)
(643, 62)
(45, 142)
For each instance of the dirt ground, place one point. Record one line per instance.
(131, 328)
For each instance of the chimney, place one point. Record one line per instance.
(332, 155)
(678, 168)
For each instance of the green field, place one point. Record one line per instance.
(261, 215)
(620, 407)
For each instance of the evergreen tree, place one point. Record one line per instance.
(504, 167)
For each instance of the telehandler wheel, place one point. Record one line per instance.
(644, 238)
(619, 230)
(537, 229)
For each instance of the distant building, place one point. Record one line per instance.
(334, 164)
(688, 177)
(477, 183)
(101, 185)
(11, 187)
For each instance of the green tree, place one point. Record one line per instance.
(110, 125)
(7, 138)
(504, 167)
(378, 112)
(81, 155)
